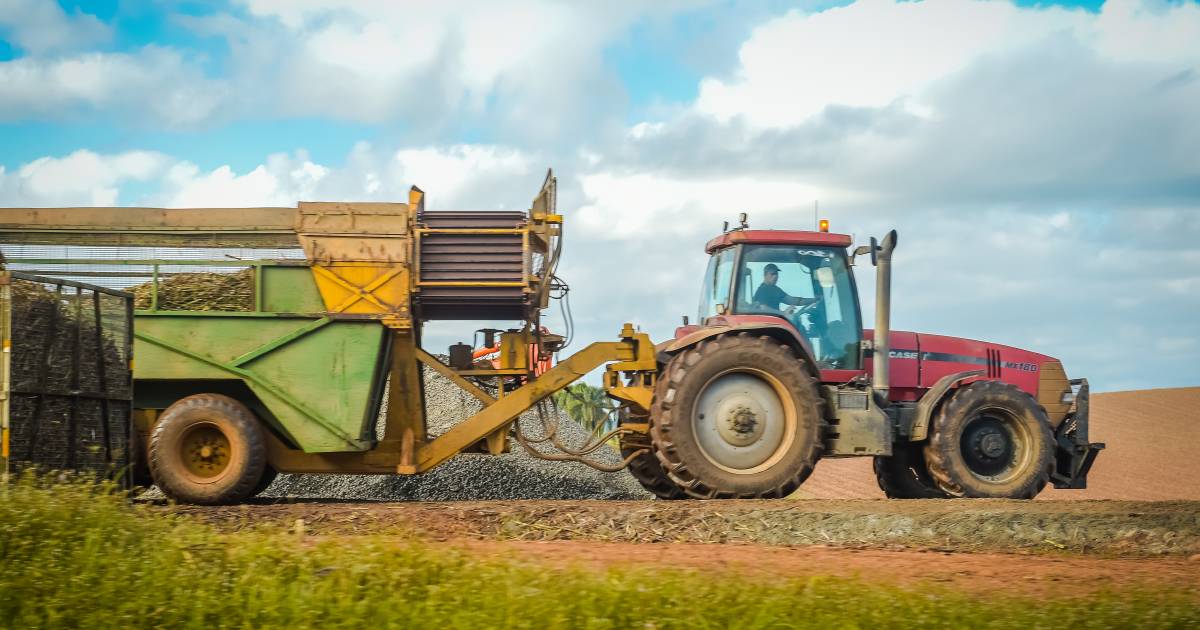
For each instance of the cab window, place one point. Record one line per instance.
(717, 282)
(810, 287)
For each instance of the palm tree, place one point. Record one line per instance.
(589, 406)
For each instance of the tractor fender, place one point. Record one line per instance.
(929, 402)
(783, 334)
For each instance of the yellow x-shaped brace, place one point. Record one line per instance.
(359, 293)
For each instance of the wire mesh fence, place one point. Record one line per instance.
(69, 381)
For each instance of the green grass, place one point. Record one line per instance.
(75, 555)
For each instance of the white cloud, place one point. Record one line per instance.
(532, 68)
(529, 69)
(649, 207)
(188, 187)
(876, 52)
(37, 26)
(458, 174)
(155, 85)
(82, 178)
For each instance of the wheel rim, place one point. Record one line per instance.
(995, 446)
(743, 421)
(205, 451)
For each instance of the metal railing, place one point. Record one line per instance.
(66, 377)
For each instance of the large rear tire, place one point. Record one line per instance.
(904, 475)
(737, 416)
(207, 449)
(990, 440)
(649, 472)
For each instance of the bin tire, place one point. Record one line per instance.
(207, 449)
(268, 477)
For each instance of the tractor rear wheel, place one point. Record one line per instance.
(649, 472)
(737, 416)
(207, 449)
(990, 440)
(904, 475)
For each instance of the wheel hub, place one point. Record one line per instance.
(990, 446)
(205, 451)
(739, 422)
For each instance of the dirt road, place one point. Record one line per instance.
(982, 573)
(979, 546)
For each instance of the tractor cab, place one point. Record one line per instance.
(802, 277)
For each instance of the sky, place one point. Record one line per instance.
(1040, 160)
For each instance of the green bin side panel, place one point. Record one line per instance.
(290, 290)
(319, 386)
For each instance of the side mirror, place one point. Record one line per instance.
(862, 250)
(874, 251)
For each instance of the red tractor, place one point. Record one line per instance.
(779, 373)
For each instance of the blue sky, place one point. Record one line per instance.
(1012, 144)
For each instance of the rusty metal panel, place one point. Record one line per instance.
(354, 232)
(193, 227)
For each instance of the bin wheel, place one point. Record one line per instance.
(268, 477)
(207, 449)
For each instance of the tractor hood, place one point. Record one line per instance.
(919, 360)
(934, 356)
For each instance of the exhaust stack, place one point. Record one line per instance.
(881, 255)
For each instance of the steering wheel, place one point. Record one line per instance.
(800, 310)
(794, 314)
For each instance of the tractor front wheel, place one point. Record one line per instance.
(737, 416)
(207, 449)
(990, 440)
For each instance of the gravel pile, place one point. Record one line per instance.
(514, 475)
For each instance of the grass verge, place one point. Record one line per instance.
(76, 555)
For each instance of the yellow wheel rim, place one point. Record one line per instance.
(205, 451)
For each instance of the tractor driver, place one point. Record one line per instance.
(770, 297)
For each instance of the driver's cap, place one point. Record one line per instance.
(771, 267)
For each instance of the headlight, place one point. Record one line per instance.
(1068, 397)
